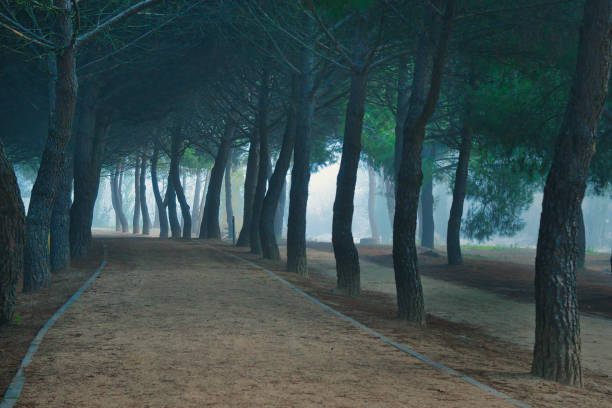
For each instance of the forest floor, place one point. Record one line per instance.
(182, 324)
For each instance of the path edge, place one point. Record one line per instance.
(382, 337)
(13, 392)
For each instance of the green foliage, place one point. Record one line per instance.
(378, 137)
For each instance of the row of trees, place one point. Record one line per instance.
(481, 90)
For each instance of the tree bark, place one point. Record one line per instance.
(210, 228)
(159, 202)
(177, 155)
(250, 184)
(453, 233)
(557, 340)
(113, 178)
(269, 246)
(300, 173)
(146, 219)
(136, 218)
(60, 220)
(264, 163)
(427, 201)
(63, 95)
(372, 205)
(88, 155)
(170, 202)
(12, 238)
(196, 202)
(345, 252)
(229, 211)
(407, 277)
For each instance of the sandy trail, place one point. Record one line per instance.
(172, 324)
(496, 315)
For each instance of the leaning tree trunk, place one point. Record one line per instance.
(372, 205)
(453, 233)
(59, 251)
(136, 218)
(279, 217)
(345, 252)
(557, 338)
(12, 236)
(229, 211)
(407, 278)
(63, 95)
(210, 228)
(88, 156)
(427, 201)
(250, 184)
(196, 202)
(300, 173)
(177, 155)
(159, 202)
(264, 164)
(269, 246)
(146, 220)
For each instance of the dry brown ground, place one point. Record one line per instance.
(175, 324)
(34, 309)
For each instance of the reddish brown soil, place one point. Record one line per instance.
(514, 280)
(34, 309)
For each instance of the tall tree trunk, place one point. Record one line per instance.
(269, 246)
(60, 220)
(250, 184)
(557, 338)
(427, 200)
(453, 233)
(136, 218)
(407, 277)
(88, 156)
(170, 202)
(146, 220)
(177, 155)
(300, 173)
(114, 177)
(229, 211)
(345, 252)
(63, 95)
(183, 183)
(12, 237)
(210, 228)
(264, 163)
(159, 202)
(279, 217)
(372, 205)
(581, 239)
(196, 202)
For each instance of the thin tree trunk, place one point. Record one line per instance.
(407, 277)
(279, 217)
(557, 338)
(210, 228)
(114, 177)
(122, 217)
(453, 233)
(264, 163)
(136, 218)
(300, 173)
(60, 220)
(159, 202)
(146, 220)
(427, 201)
(177, 154)
(12, 238)
(275, 189)
(183, 183)
(372, 205)
(345, 252)
(229, 211)
(250, 184)
(63, 95)
(196, 202)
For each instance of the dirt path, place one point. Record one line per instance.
(172, 324)
(496, 315)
